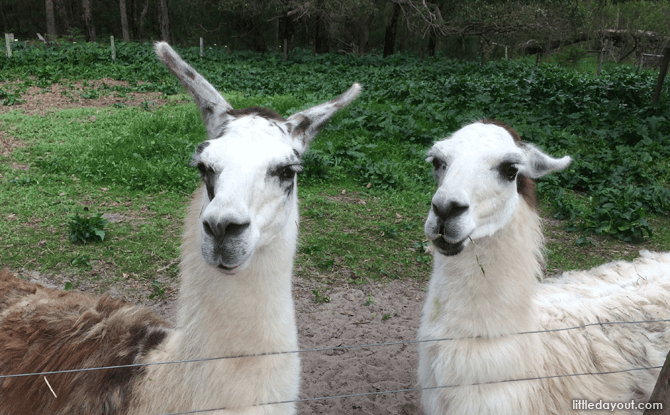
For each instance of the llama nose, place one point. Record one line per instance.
(220, 230)
(449, 210)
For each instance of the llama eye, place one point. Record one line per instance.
(511, 172)
(288, 172)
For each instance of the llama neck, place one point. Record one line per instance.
(488, 289)
(217, 310)
(248, 313)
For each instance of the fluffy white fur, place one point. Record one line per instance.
(489, 290)
(236, 291)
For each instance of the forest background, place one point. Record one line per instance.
(619, 31)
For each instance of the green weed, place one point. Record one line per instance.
(85, 229)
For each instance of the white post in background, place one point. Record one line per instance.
(202, 52)
(111, 40)
(9, 37)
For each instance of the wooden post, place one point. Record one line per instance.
(600, 60)
(111, 40)
(661, 392)
(8, 43)
(505, 52)
(285, 47)
(202, 52)
(639, 66)
(665, 61)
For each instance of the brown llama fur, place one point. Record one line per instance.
(43, 330)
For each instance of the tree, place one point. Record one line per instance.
(51, 19)
(124, 21)
(391, 30)
(63, 16)
(88, 20)
(164, 20)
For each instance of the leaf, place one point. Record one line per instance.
(68, 286)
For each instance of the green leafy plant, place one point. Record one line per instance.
(82, 260)
(388, 231)
(320, 298)
(158, 290)
(369, 302)
(85, 229)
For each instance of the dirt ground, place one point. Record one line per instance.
(392, 316)
(355, 315)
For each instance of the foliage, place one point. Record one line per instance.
(84, 229)
(320, 298)
(615, 135)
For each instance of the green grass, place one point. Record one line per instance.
(131, 163)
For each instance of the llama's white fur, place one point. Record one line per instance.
(235, 299)
(489, 290)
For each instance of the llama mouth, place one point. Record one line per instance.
(447, 248)
(228, 270)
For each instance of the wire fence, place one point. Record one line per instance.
(353, 395)
(322, 349)
(360, 346)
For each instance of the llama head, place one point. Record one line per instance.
(248, 166)
(482, 170)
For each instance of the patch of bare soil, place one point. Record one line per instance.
(392, 314)
(8, 143)
(61, 96)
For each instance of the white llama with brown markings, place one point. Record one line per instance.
(235, 299)
(484, 288)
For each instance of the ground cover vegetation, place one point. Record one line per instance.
(365, 189)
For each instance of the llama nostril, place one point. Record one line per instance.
(235, 229)
(449, 210)
(223, 230)
(208, 229)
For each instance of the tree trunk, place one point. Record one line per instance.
(287, 35)
(391, 30)
(275, 47)
(51, 20)
(141, 20)
(124, 21)
(4, 19)
(62, 15)
(432, 43)
(164, 19)
(88, 20)
(661, 75)
(321, 41)
(365, 35)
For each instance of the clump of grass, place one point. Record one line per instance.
(85, 229)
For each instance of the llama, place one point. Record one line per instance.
(484, 288)
(236, 266)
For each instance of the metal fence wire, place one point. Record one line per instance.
(359, 346)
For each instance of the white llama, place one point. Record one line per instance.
(235, 299)
(487, 258)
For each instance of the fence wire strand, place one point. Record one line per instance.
(354, 395)
(322, 349)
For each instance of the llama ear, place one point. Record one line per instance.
(213, 106)
(540, 164)
(305, 125)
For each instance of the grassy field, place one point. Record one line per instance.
(365, 190)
